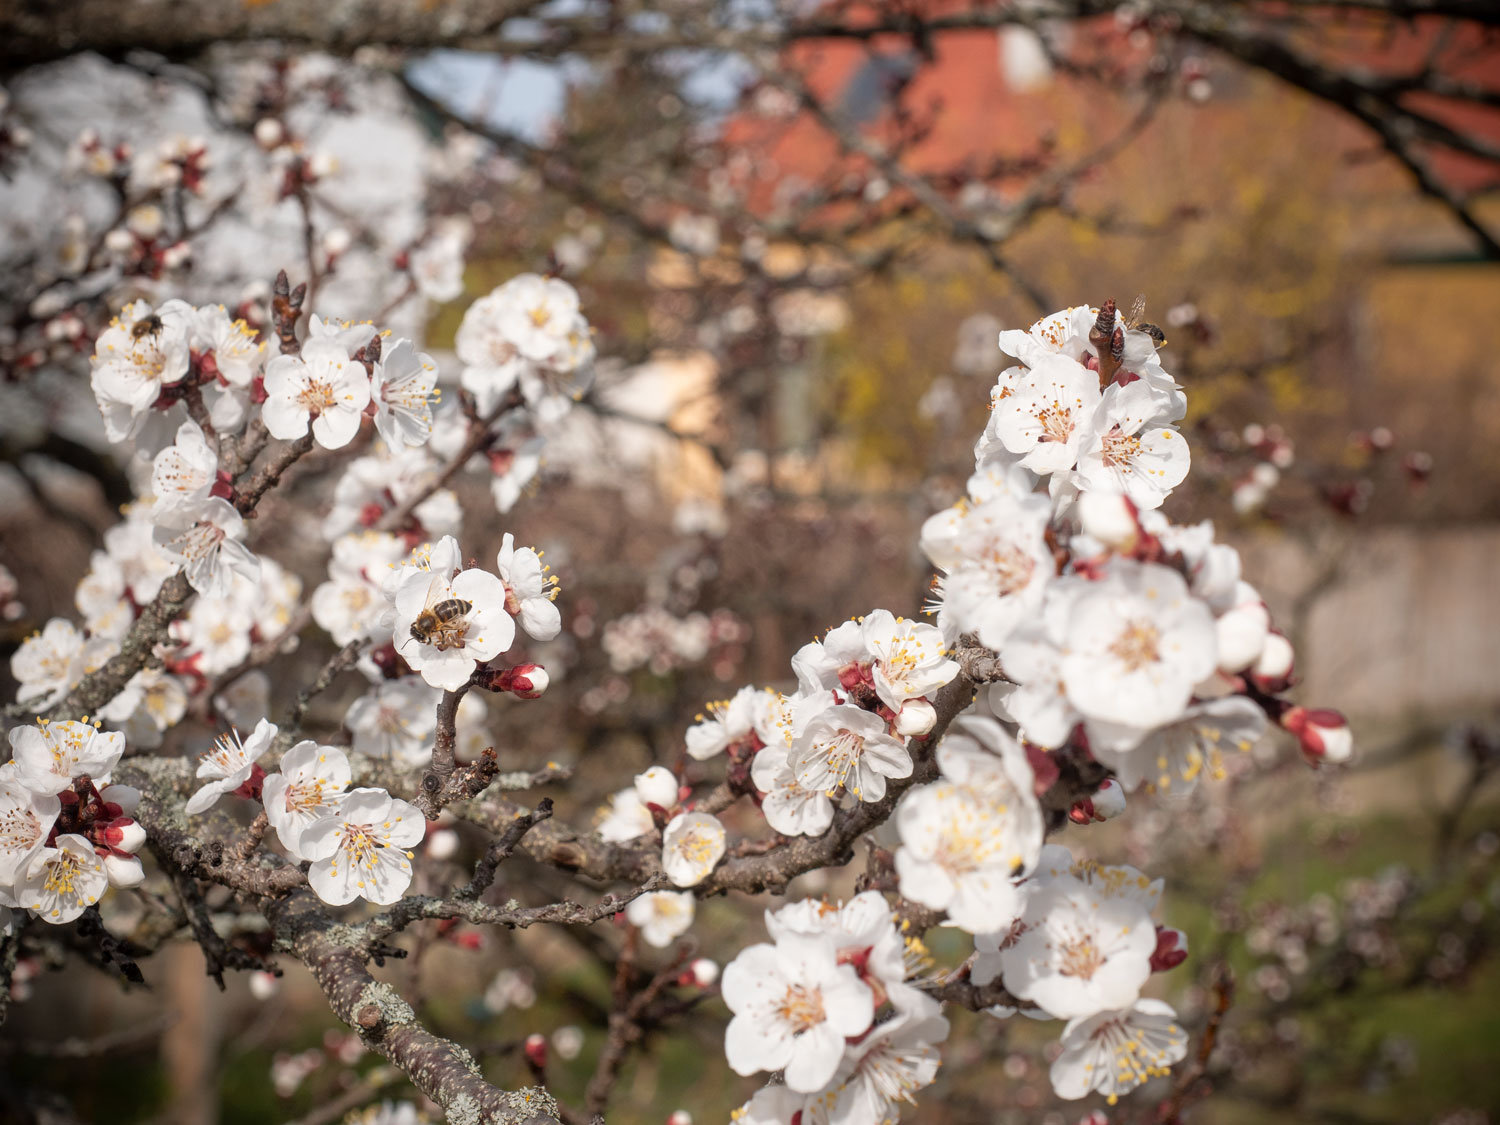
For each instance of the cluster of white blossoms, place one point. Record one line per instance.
(447, 619)
(527, 335)
(66, 834)
(355, 840)
(1113, 635)
(829, 1005)
(1075, 625)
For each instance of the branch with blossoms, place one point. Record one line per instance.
(1083, 648)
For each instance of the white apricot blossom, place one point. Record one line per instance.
(1174, 756)
(725, 722)
(966, 838)
(897, 1058)
(182, 476)
(692, 845)
(530, 591)
(993, 555)
(308, 787)
(150, 704)
(1043, 422)
(794, 1008)
(788, 807)
(62, 881)
(847, 748)
(394, 720)
(49, 663)
(359, 849)
(446, 624)
(403, 389)
(1137, 643)
(322, 388)
(352, 603)
(26, 817)
(662, 916)
(205, 543)
(1111, 1053)
(137, 357)
(49, 756)
(1083, 949)
(1131, 449)
(229, 765)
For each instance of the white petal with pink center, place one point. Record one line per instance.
(182, 475)
(1131, 450)
(394, 720)
(48, 664)
(403, 389)
(1173, 757)
(967, 838)
(897, 1058)
(995, 562)
(726, 721)
(788, 807)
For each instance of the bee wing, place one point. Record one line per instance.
(1137, 311)
(437, 591)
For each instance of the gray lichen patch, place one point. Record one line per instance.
(394, 1011)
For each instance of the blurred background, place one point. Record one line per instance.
(797, 230)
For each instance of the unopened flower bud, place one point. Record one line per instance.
(1171, 949)
(269, 133)
(125, 835)
(536, 1050)
(442, 843)
(48, 304)
(337, 241)
(679, 1117)
(704, 971)
(658, 787)
(1322, 732)
(176, 255)
(1242, 634)
(524, 680)
(1273, 670)
(536, 676)
(127, 797)
(320, 165)
(1110, 518)
(145, 221)
(264, 985)
(123, 871)
(916, 717)
(119, 241)
(1109, 801)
